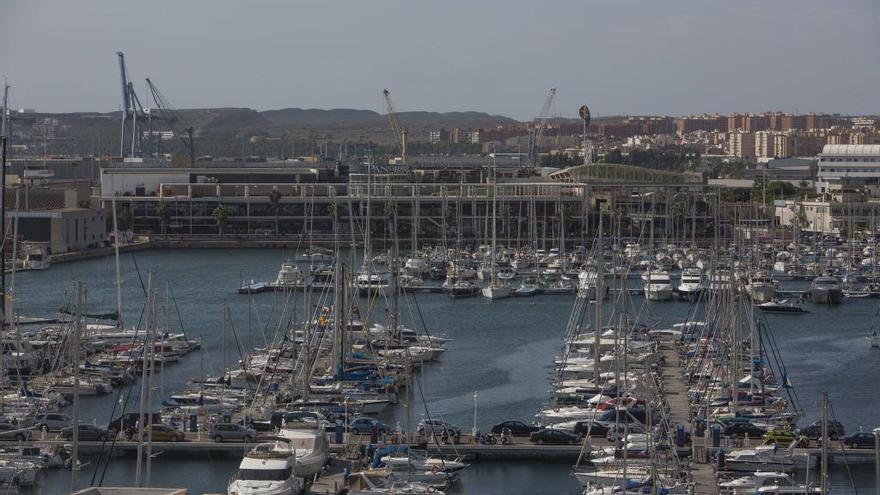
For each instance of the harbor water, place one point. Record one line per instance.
(501, 350)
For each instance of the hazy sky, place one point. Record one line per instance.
(619, 56)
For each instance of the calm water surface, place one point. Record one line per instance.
(502, 350)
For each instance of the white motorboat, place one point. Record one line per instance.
(874, 340)
(290, 276)
(761, 288)
(751, 483)
(497, 291)
(311, 446)
(691, 283)
(826, 290)
(449, 465)
(268, 469)
(658, 286)
(525, 291)
(767, 457)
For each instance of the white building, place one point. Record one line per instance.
(853, 164)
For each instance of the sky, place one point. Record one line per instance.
(618, 56)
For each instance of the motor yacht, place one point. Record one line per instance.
(268, 469)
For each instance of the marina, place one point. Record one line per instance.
(330, 286)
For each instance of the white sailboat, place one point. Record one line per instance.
(495, 290)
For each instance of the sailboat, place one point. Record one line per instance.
(495, 290)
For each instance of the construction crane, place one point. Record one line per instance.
(125, 102)
(536, 130)
(179, 127)
(399, 132)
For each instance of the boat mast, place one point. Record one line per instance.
(143, 392)
(76, 328)
(494, 255)
(600, 291)
(824, 443)
(119, 320)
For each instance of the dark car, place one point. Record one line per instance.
(10, 431)
(517, 428)
(596, 430)
(814, 430)
(862, 439)
(364, 426)
(552, 436)
(741, 429)
(87, 433)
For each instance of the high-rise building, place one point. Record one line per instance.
(764, 144)
(438, 136)
(782, 145)
(741, 144)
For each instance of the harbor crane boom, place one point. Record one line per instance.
(537, 131)
(399, 132)
(125, 101)
(179, 127)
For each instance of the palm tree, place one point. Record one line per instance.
(391, 213)
(164, 214)
(335, 210)
(275, 202)
(221, 215)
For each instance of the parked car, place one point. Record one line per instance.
(88, 433)
(553, 436)
(364, 426)
(596, 430)
(517, 428)
(52, 421)
(741, 429)
(814, 430)
(10, 431)
(163, 433)
(222, 432)
(437, 426)
(862, 439)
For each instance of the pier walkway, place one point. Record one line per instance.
(675, 395)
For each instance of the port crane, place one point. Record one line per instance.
(132, 112)
(178, 125)
(536, 129)
(399, 132)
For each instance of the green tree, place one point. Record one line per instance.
(613, 156)
(221, 216)
(163, 211)
(557, 160)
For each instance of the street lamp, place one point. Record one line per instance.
(474, 429)
(877, 459)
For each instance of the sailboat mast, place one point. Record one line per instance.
(600, 292)
(76, 328)
(119, 320)
(141, 422)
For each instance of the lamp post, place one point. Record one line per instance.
(877, 459)
(474, 429)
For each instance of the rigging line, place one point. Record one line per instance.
(852, 481)
(177, 310)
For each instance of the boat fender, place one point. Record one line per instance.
(435, 469)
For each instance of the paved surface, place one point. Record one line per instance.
(675, 391)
